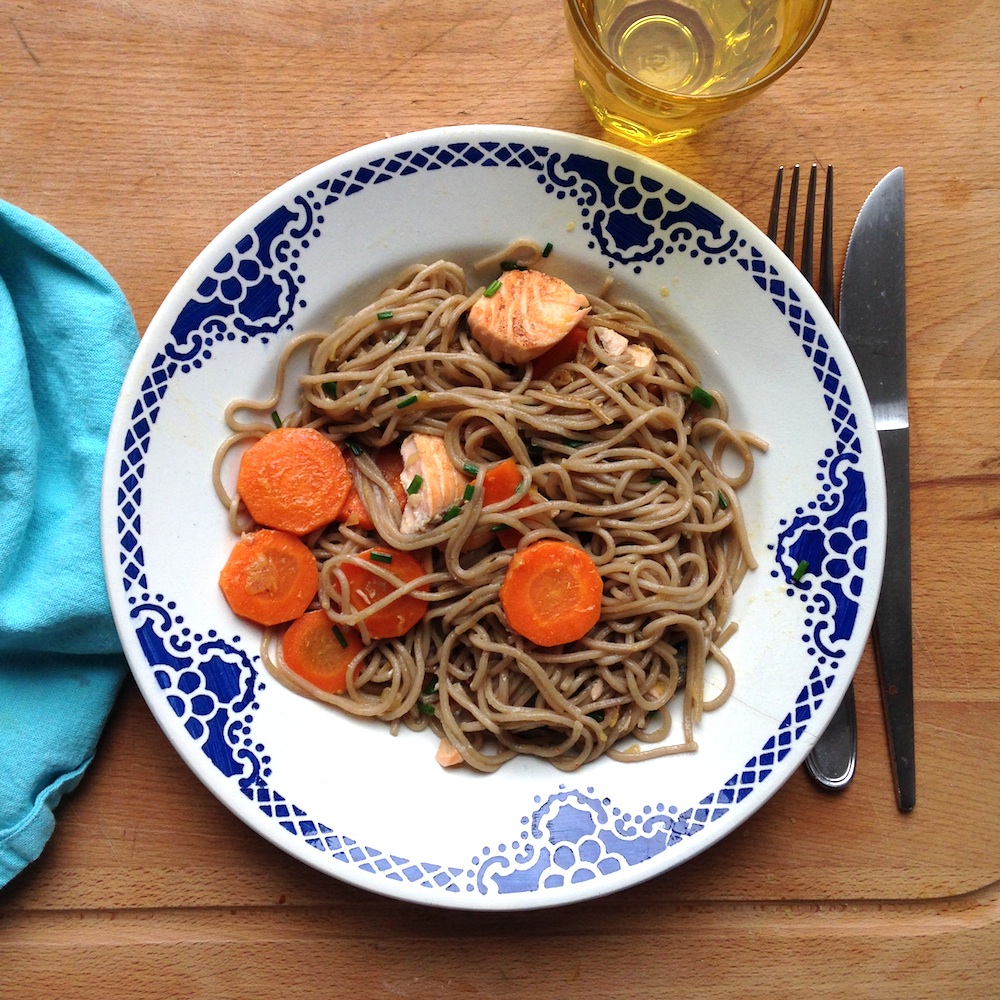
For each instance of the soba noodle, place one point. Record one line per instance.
(622, 463)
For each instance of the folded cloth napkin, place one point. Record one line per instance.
(66, 337)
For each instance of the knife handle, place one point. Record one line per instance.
(893, 632)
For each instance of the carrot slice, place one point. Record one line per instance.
(390, 464)
(499, 483)
(559, 353)
(294, 479)
(367, 588)
(551, 593)
(320, 652)
(270, 577)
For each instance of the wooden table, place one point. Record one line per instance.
(140, 129)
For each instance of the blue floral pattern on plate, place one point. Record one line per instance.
(212, 685)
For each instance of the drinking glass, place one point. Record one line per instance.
(655, 70)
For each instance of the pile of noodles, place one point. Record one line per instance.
(618, 459)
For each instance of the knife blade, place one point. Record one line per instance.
(873, 321)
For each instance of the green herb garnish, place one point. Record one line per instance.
(451, 512)
(801, 570)
(424, 709)
(384, 314)
(547, 250)
(330, 388)
(415, 483)
(492, 288)
(702, 398)
(469, 491)
(355, 445)
(339, 636)
(276, 418)
(723, 502)
(469, 469)
(380, 557)
(403, 403)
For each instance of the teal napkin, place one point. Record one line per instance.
(66, 337)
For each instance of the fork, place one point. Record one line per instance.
(832, 760)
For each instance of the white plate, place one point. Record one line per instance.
(344, 795)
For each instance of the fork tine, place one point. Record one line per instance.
(793, 200)
(808, 227)
(826, 244)
(772, 222)
(824, 285)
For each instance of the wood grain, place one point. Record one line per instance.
(141, 129)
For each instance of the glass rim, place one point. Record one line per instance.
(597, 50)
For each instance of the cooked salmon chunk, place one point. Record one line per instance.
(622, 348)
(441, 485)
(447, 755)
(528, 313)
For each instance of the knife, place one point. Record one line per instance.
(873, 321)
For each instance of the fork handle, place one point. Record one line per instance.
(832, 760)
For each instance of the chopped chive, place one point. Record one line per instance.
(403, 403)
(597, 716)
(276, 418)
(424, 709)
(498, 527)
(469, 491)
(547, 250)
(702, 398)
(415, 483)
(330, 388)
(381, 557)
(384, 314)
(574, 444)
(451, 512)
(723, 502)
(654, 479)
(432, 684)
(801, 570)
(492, 288)
(519, 488)
(339, 636)
(470, 470)
(355, 445)
(509, 265)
